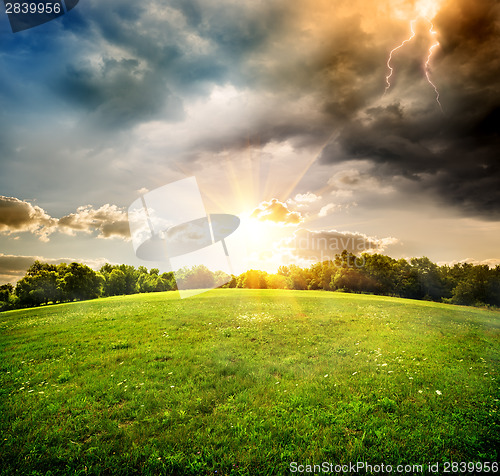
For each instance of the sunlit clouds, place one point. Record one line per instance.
(17, 216)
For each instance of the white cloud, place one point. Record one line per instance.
(18, 216)
(329, 209)
(307, 197)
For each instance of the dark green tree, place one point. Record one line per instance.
(430, 278)
(40, 285)
(383, 272)
(115, 283)
(79, 282)
(352, 280)
(6, 290)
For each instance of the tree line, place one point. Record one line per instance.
(46, 283)
(417, 278)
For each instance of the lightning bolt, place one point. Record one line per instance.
(427, 65)
(391, 69)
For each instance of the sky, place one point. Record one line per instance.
(286, 113)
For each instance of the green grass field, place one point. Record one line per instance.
(246, 382)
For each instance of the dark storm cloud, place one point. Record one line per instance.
(265, 47)
(163, 53)
(313, 82)
(127, 62)
(455, 156)
(118, 93)
(316, 68)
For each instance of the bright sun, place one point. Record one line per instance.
(259, 234)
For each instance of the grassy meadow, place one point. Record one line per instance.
(244, 382)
